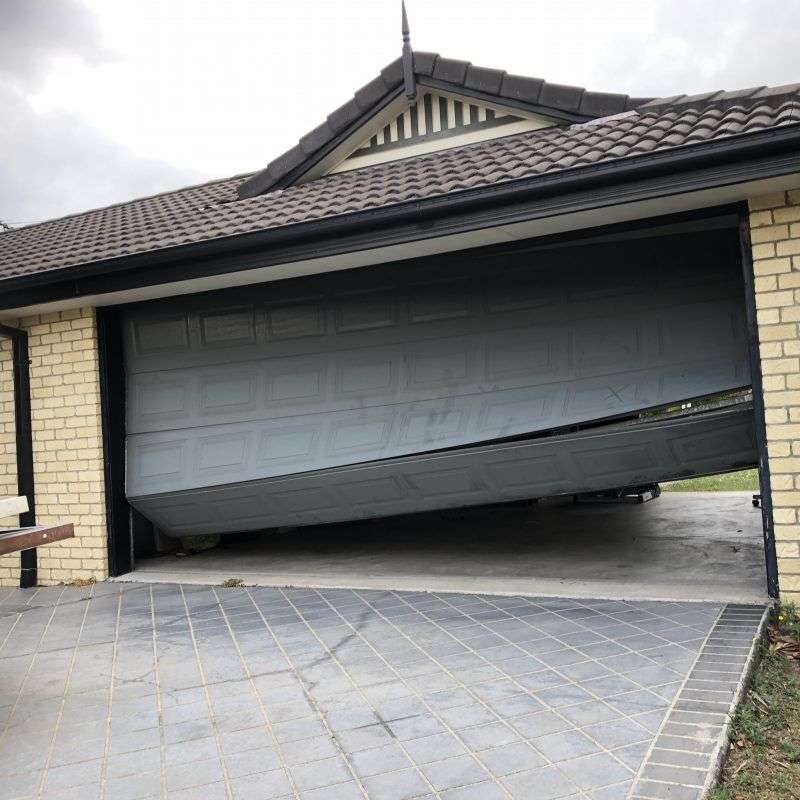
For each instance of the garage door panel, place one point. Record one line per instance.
(296, 376)
(374, 493)
(291, 320)
(677, 383)
(316, 441)
(436, 368)
(227, 327)
(538, 476)
(618, 455)
(704, 447)
(617, 350)
(193, 351)
(720, 325)
(615, 462)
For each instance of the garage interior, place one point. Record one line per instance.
(429, 424)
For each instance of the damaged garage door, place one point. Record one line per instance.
(620, 454)
(364, 366)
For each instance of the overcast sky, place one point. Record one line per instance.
(105, 100)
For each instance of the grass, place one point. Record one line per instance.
(744, 481)
(80, 582)
(763, 762)
(231, 583)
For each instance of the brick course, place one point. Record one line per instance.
(67, 443)
(775, 233)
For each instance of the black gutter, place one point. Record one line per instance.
(770, 552)
(721, 163)
(24, 445)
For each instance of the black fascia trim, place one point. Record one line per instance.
(294, 175)
(506, 102)
(771, 154)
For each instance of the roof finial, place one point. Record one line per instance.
(408, 59)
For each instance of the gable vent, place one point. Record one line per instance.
(433, 116)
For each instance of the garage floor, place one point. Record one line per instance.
(126, 691)
(681, 546)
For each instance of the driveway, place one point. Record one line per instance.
(684, 546)
(126, 691)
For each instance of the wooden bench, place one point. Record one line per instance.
(12, 540)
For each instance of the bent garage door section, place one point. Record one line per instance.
(616, 455)
(366, 365)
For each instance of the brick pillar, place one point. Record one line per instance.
(775, 234)
(67, 443)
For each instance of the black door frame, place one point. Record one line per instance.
(112, 388)
(112, 410)
(23, 431)
(756, 381)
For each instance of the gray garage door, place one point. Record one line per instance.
(621, 454)
(367, 365)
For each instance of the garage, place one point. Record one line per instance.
(375, 405)
(440, 343)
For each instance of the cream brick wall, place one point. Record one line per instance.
(775, 235)
(67, 443)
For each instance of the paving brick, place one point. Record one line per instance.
(383, 732)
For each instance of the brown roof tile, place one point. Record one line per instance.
(213, 210)
(573, 103)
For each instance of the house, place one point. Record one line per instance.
(464, 286)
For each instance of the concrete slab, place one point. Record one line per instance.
(122, 691)
(683, 546)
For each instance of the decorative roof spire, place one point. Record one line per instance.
(408, 59)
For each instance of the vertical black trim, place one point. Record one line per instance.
(112, 407)
(758, 402)
(28, 566)
(28, 559)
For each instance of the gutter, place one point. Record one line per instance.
(766, 154)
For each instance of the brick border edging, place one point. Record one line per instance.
(694, 736)
(753, 660)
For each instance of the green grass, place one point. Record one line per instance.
(764, 759)
(744, 481)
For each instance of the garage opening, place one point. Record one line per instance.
(403, 417)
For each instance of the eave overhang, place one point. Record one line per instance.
(760, 156)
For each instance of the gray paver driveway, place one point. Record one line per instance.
(126, 691)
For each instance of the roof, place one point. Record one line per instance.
(571, 103)
(214, 210)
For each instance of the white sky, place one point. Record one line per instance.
(109, 99)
